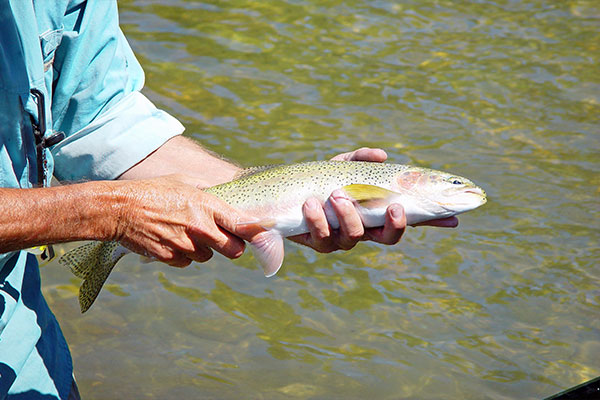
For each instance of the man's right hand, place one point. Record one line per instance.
(172, 220)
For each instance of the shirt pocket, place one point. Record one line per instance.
(49, 41)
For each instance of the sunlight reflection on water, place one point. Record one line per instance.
(507, 305)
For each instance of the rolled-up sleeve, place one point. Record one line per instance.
(96, 100)
(115, 141)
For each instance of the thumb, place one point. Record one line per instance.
(248, 229)
(232, 220)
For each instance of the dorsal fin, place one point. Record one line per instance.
(254, 170)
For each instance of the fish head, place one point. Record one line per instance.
(440, 193)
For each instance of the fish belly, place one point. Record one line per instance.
(293, 222)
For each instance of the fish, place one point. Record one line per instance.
(272, 198)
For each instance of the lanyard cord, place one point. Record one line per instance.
(41, 143)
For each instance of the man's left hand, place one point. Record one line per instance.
(325, 240)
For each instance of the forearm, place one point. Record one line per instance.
(181, 155)
(32, 217)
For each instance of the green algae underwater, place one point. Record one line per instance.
(507, 305)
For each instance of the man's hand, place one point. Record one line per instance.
(175, 222)
(325, 240)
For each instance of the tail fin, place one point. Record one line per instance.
(92, 262)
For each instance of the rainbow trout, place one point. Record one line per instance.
(273, 196)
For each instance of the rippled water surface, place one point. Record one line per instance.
(507, 305)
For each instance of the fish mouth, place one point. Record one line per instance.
(478, 192)
(465, 200)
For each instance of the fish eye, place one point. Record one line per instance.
(457, 182)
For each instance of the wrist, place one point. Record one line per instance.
(110, 211)
(85, 211)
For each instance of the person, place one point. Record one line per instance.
(71, 107)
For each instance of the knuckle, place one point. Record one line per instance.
(233, 250)
(172, 261)
(203, 255)
(398, 224)
(310, 213)
(321, 234)
(321, 245)
(238, 252)
(344, 243)
(347, 246)
(355, 235)
(344, 208)
(184, 245)
(318, 226)
(201, 236)
(374, 234)
(388, 241)
(397, 239)
(181, 262)
(224, 247)
(325, 248)
(361, 150)
(163, 254)
(228, 246)
(392, 238)
(220, 242)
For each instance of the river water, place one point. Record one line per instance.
(507, 305)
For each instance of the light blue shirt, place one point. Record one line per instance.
(74, 53)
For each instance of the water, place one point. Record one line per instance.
(506, 93)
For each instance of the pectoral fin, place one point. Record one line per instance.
(267, 247)
(369, 196)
